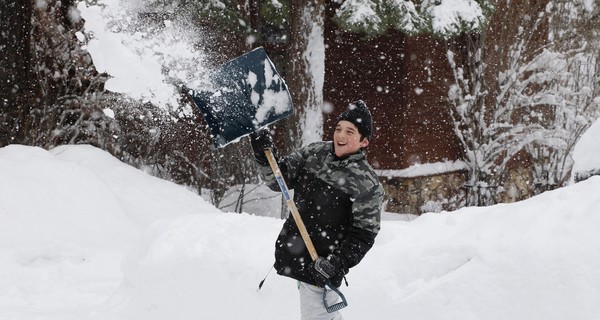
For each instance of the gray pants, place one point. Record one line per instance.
(311, 303)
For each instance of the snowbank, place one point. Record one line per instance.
(531, 260)
(67, 218)
(586, 154)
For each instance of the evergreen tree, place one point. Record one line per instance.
(443, 18)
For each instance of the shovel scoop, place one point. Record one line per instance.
(248, 94)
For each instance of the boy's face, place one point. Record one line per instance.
(346, 139)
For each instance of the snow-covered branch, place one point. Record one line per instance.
(443, 18)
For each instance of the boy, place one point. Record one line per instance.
(339, 198)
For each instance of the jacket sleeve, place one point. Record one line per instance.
(366, 220)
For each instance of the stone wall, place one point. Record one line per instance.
(446, 192)
(416, 195)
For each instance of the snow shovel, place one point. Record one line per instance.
(249, 95)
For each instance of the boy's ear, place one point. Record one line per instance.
(364, 143)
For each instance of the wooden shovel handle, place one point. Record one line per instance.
(290, 203)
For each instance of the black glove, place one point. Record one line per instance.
(260, 141)
(323, 269)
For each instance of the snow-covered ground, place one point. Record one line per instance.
(84, 236)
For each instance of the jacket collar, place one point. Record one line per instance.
(358, 156)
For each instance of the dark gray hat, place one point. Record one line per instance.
(359, 115)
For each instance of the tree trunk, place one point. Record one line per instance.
(305, 73)
(18, 85)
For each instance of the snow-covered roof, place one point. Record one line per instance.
(424, 169)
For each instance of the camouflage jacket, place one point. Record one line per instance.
(339, 200)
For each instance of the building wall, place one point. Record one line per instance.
(404, 82)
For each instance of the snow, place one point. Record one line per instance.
(143, 63)
(450, 14)
(275, 100)
(84, 236)
(136, 75)
(586, 153)
(69, 216)
(424, 169)
(446, 16)
(314, 56)
(360, 13)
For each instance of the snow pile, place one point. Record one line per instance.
(530, 260)
(586, 153)
(68, 217)
(96, 193)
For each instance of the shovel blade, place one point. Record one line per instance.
(249, 94)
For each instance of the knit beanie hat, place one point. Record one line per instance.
(359, 115)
